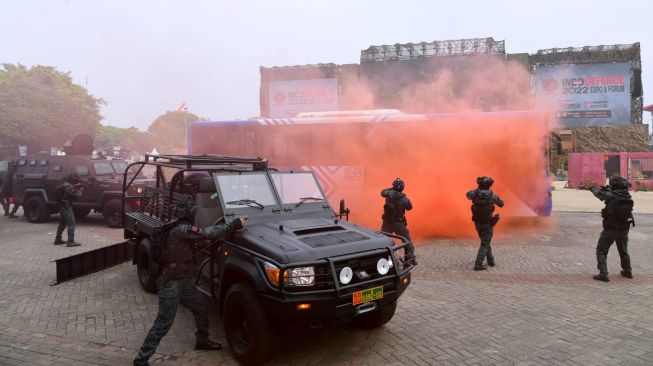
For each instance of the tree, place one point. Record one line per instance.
(131, 138)
(168, 131)
(41, 105)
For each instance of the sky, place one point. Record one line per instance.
(144, 57)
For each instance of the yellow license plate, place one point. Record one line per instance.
(370, 294)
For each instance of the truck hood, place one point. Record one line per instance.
(313, 239)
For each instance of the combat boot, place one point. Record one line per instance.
(207, 346)
(490, 262)
(480, 267)
(59, 241)
(601, 277)
(627, 274)
(73, 244)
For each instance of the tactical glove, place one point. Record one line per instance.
(236, 225)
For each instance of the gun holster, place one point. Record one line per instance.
(494, 219)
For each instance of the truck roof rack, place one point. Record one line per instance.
(196, 161)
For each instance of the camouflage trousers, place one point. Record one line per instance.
(398, 228)
(66, 220)
(485, 233)
(171, 293)
(609, 236)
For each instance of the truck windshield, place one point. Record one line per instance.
(119, 166)
(103, 168)
(245, 190)
(297, 187)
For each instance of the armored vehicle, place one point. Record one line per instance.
(31, 181)
(295, 261)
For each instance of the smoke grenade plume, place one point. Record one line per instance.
(458, 128)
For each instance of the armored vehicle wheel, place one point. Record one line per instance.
(81, 212)
(246, 326)
(112, 212)
(36, 209)
(377, 317)
(146, 267)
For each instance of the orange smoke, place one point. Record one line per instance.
(441, 158)
(439, 155)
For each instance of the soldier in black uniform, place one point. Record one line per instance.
(483, 201)
(65, 194)
(394, 215)
(617, 218)
(176, 284)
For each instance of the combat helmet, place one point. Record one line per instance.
(398, 185)
(186, 210)
(484, 182)
(617, 182)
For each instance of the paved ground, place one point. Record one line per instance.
(539, 306)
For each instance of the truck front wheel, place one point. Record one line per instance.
(36, 209)
(146, 266)
(112, 212)
(377, 317)
(246, 326)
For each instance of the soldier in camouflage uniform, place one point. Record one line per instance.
(617, 218)
(394, 215)
(483, 201)
(176, 284)
(65, 194)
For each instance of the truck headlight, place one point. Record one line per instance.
(301, 276)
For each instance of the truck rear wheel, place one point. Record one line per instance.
(112, 212)
(36, 210)
(146, 266)
(246, 326)
(377, 317)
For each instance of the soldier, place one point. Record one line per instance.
(394, 215)
(65, 194)
(483, 201)
(617, 218)
(176, 284)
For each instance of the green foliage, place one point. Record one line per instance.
(641, 186)
(132, 138)
(167, 132)
(587, 184)
(42, 105)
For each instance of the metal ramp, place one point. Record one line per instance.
(82, 264)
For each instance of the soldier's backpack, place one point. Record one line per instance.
(618, 213)
(482, 208)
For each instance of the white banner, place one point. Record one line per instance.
(287, 98)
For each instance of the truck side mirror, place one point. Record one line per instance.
(343, 210)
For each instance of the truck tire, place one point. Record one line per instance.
(112, 212)
(81, 212)
(377, 317)
(36, 210)
(147, 268)
(246, 326)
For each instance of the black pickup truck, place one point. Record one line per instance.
(296, 259)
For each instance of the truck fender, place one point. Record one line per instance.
(238, 270)
(29, 192)
(107, 196)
